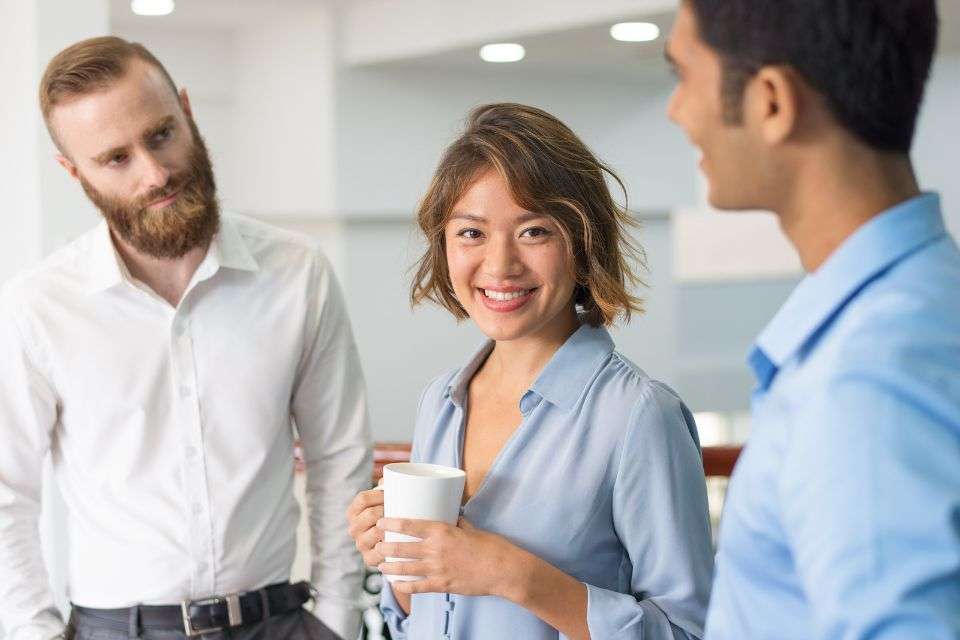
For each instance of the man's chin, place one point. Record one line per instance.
(727, 200)
(153, 234)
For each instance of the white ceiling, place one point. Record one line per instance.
(203, 14)
(583, 50)
(587, 49)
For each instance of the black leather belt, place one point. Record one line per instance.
(207, 615)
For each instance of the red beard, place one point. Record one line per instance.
(190, 221)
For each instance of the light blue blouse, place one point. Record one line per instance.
(603, 479)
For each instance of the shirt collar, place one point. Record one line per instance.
(230, 250)
(106, 267)
(562, 381)
(227, 249)
(874, 247)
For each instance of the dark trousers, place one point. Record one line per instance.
(295, 625)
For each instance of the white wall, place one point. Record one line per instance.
(283, 125)
(42, 206)
(936, 152)
(263, 97)
(394, 124)
(20, 242)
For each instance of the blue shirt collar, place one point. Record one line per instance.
(874, 247)
(561, 382)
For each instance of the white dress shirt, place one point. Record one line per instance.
(171, 429)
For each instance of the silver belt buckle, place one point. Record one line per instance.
(234, 614)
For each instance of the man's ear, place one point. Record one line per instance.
(774, 103)
(69, 166)
(185, 102)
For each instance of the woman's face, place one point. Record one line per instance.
(508, 266)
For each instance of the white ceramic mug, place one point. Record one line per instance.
(420, 491)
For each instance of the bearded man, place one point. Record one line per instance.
(166, 359)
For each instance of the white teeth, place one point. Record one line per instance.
(502, 296)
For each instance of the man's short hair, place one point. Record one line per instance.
(870, 59)
(88, 66)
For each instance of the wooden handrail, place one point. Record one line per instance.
(387, 452)
(717, 461)
(720, 461)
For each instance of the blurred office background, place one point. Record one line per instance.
(328, 117)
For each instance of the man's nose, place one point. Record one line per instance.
(155, 174)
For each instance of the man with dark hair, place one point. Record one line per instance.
(843, 516)
(164, 359)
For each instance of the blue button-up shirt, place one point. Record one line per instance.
(843, 515)
(603, 479)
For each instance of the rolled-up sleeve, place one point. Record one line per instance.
(660, 515)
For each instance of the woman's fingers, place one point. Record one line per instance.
(401, 549)
(366, 545)
(412, 568)
(365, 520)
(364, 500)
(417, 528)
(410, 587)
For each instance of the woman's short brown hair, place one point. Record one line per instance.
(550, 171)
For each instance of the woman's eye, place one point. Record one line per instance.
(469, 234)
(534, 232)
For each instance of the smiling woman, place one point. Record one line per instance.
(546, 172)
(585, 511)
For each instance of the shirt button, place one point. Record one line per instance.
(191, 452)
(202, 567)
(197, 508)
(185, 391)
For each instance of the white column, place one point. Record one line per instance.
(42, 206)
(66, 212)
(20, 187)
(284, 113)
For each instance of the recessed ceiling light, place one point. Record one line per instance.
(635, 31)
(502, 52)
(151, 7)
